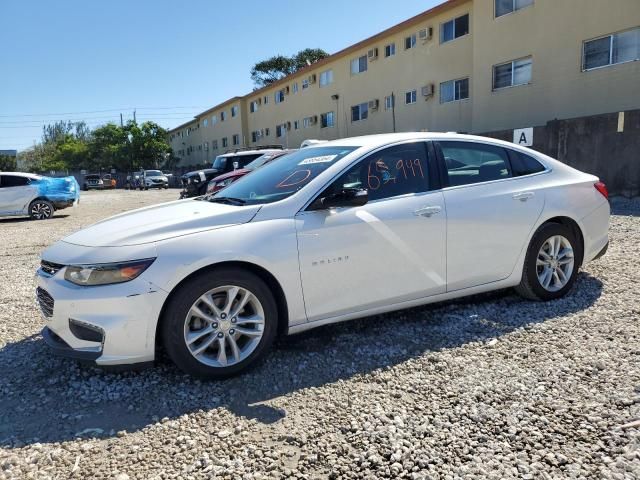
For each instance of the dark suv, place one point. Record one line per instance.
(194, 184)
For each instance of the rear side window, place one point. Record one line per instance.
(245, 159)
(13, 181)
(468, 163)
(522, 164)
(391, 172)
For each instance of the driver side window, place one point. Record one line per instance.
(394, 171)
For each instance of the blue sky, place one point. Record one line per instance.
(167, 59)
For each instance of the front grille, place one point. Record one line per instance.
(50, 268)
(45, 301)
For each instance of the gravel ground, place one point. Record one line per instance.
(490, 387)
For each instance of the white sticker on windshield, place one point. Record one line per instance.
(203, 177)
(322, 159)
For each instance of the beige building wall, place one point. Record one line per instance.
(552, 32)
(216, 130)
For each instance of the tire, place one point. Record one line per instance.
(179, 320)
(41, 210)
(534, 275)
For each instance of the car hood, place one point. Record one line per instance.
(161, 222)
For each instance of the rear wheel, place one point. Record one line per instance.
(41, 210)
(551, 265)
(220, 323)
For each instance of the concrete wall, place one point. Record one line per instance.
(605, 145)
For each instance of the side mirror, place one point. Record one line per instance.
(348, 197)
(236, 165)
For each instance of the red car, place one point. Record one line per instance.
(226, 179)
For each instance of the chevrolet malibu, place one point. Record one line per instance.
(341, 230)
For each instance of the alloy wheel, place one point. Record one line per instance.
(224, 326)
(41, 211)
(555, 263)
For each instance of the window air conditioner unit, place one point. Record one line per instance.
(374, 104)
(373, 53)
(287, 90)
(259, 101)
(312, 78)
(426, 34)
(313, 120)
(427, 90)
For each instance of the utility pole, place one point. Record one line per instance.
(134, 116)
(393, 110)
(121, 124)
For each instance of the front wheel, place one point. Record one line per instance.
(220, 323)
(551, 266)
(41, 210)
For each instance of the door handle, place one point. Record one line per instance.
(427, 211)
(523, 196)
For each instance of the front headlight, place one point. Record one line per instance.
(106, 273)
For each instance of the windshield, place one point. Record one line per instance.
(153, 173)
(281, 179)
(219, 163)
(260, 161)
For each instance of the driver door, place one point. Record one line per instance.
(391, 250)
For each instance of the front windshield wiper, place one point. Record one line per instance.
(228, 200)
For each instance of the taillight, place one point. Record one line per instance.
(602, 188)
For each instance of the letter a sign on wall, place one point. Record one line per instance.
(523, 136)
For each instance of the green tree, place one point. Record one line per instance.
(7, 163)
(277, 67)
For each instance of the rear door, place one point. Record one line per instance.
(15, 193)
(490, 212)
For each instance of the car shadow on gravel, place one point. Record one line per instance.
(46, 399)
(27, 219)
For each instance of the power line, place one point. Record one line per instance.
(101, 111)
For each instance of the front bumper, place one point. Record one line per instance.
(125, 313)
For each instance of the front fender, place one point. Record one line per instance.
(270, 245)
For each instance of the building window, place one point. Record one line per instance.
(389, 102)
(616, 48)
(279, 96)
(236, 139)
(255, 136)
(206, 146)
(295, 87)
(513, 73)
(223, 116)
(234, 111)
(214, 120)
(281, 130)
(305, 84)
(390, 50)
(359, 65)
(225, 142)
(455, 28)
(411, 97)
(326, 78)
(253, 106)
(266, 99)
(327, 120)
(206, 122)
(214, 144)
(504, 7)
(359, 112)
(267, 132)
(296, 124)
(410, 42)
(454, 90)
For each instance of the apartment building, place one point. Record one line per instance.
(473, 66)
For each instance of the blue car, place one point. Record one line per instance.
(23, 194)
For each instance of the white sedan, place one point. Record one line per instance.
(341, 230)
(39, 197)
